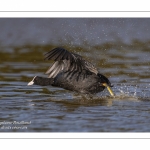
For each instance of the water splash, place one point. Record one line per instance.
(131, 92)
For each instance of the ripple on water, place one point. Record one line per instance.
(52, 109)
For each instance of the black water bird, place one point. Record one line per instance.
(70, 71)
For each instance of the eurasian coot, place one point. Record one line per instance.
(70, 71)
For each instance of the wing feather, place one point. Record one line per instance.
(67, 61)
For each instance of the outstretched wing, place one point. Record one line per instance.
(67, 61)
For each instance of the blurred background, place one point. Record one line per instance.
(118, 47)
(73, 31)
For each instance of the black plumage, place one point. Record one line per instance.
(70, 71)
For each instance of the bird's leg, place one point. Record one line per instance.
(109, 89)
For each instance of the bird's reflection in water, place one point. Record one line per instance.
(83, 101)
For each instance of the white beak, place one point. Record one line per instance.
(32, 82)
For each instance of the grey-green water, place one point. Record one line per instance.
(119, 48)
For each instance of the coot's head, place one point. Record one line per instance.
(41, 81)
(34, 81)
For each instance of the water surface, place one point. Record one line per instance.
(119, 48)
